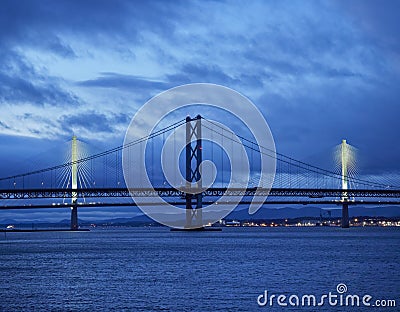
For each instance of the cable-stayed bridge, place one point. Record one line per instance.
(97, 180)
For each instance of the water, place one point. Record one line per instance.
(153, 269)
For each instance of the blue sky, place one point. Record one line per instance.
(319, 71)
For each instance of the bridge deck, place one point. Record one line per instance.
(286, 196)
(211, 192)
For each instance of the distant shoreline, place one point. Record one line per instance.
(41, 230)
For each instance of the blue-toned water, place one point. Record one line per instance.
(153, 269)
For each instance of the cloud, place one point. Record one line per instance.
(124, 82)
(48, 23)
(4, 125)
(22, 82)
(89, 121)
(92, 124)
(34, 90)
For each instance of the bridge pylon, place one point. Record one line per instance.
(345, 198)
(74, 184)
(194, 218)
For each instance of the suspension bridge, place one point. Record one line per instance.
(97, 180)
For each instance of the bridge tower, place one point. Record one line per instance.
(74, 184)
(194, 218)
(345, 198)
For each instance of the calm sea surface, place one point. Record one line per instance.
(153, 269)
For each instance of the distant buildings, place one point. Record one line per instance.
(357, 221)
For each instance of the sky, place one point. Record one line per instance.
(319, 71)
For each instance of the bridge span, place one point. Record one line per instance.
(77, 180)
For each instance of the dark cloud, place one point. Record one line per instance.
(48, 25)
(331, 72)
(21, 83)
(38, 23)
(34, 90)
(274, 66)
(187, 73)
(93, 122)
(209, 73)
(191, 73)
(56, 46)
(4, 125)
(124, 82)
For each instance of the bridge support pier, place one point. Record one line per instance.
(194, 218)
(345, 215)
(74, 184)
(74, 218)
